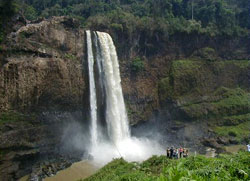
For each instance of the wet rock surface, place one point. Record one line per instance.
(50, 166)
(27, 146)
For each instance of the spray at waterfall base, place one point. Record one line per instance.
(120, 143)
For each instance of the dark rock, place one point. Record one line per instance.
(220, 150)
(222, 140)
(177, 127)
(211, 142)
(210, 130)
(233, 141)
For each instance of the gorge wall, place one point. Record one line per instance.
(42, 88)
(42, 67)
(44, 85)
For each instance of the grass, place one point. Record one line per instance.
(235, 120)
(13, 117)
(70, 57)
(234, 101)
(186, 65)
(137, 65)
(238, 63)
(239, 132)
(191, 78)
(159, 168)
(224, 102)
(10, 116)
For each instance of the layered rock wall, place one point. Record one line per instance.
(42, 67)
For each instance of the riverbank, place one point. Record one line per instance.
(78, 170)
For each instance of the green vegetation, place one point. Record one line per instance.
(225, 102)
(225, 167)
(232, 102)
(211, 17)
(242, 64)
(206, 53)
(240, 132)
(192, 84)
(188, 80)
(235, 120)
(10, 117)
(7, 10)
(70, 56)
(137, 65)
(13, 117)
(146, 27)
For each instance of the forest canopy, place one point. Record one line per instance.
(212, 17)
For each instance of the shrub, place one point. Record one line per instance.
(137, 65)
(1, 35)
(70, 56)
(232, 133)
(117, 27)
(11, 116)
(225, 167)
(206, 53)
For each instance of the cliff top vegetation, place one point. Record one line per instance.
(213, 17)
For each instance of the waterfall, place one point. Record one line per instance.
(110, 85)
(116, 116)
(107, 106)
(92, 91)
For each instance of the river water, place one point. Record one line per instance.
(76, 171)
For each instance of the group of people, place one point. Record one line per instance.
(177, 153)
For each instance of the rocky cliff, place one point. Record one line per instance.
(44, 86)
(212, 95)
(42, 66)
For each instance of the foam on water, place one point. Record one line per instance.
(131, 149)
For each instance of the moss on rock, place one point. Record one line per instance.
(239, 132)
(228, 102)
(213, 92)
(10, 116)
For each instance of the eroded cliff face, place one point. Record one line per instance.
(42, 89)
(43, 81)
(213, 95)
(42, 66)
(140, 88)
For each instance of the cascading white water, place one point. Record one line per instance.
(116, 116)
(120, 142)
(92, 91)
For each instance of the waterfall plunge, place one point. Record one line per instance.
(92, 91)
(116, 116)
(120, 143)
